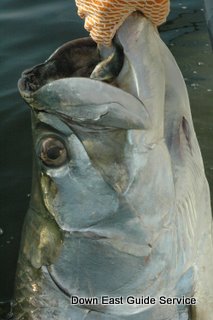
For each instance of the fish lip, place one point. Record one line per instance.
(24, 89)
(30, 82)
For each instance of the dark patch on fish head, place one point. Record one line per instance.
(187, 132)
(182, 140)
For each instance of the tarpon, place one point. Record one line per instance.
(120, 205)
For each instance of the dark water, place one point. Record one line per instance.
(30, 31)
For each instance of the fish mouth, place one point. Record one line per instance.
(74, 59)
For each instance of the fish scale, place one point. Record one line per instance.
(103, 18)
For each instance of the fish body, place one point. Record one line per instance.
(120, 203)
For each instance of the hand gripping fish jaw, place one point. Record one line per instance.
(103, 18)
(120, 203)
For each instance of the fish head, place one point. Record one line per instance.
(80, 128)
(80, 143)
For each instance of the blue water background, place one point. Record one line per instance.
(29, 32)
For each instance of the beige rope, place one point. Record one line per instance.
(104, 17)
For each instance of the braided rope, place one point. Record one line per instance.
(104, 17)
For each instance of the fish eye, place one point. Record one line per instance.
(53, 152)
